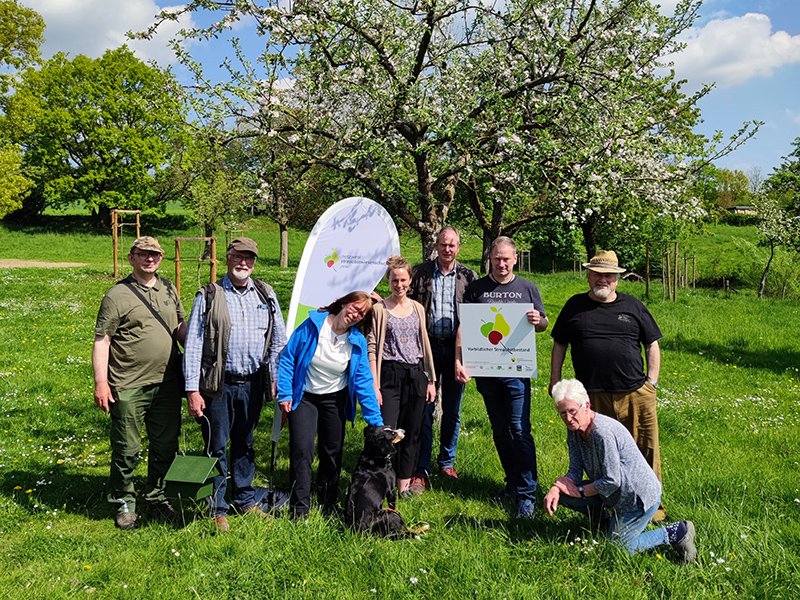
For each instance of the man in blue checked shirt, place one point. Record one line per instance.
(235, 336)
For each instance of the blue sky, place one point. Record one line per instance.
(749, 48)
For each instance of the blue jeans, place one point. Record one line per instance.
(508, 404)
(234, 417)
(626, 529)
(444, 357)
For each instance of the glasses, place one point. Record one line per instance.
(571, 413)
(146, 255)
(237, 258)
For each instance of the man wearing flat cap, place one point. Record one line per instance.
(136, 364)
(607, 330)
(235, 336)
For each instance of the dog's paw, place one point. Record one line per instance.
(420, 528)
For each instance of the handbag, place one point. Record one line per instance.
(181, 378)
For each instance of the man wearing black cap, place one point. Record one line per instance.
(235, 336)
(136, 366)
(607, 331)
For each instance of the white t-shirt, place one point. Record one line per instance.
(328, 371)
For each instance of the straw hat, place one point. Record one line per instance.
(604, 261)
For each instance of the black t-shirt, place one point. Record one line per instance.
(606, 340)
(518, 291)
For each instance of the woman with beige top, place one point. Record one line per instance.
(402, 366)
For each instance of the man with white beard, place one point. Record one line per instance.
(607, 330)
(235, 336)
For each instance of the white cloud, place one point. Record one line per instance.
(731, 51)
(91, 27)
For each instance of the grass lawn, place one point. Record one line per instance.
(728, 407)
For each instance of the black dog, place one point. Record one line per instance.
(373, 482)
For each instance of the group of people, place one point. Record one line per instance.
(390, 356)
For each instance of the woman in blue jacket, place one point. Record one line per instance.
(323, 370)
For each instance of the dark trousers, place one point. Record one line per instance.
(508, 404)
(233, 416)
(444, 360)
(317, 416)
(157, 407)
(403, 388)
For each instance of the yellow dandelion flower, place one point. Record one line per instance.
(59, 462)
(17, 487)
(28, 491)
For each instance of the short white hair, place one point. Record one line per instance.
(570, 389)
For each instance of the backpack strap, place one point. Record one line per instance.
(265, 293)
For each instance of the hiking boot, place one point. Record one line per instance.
(256, 510)
(125, 520)
(162, 512)
(685, 546)
(449, 473)
(525, 509)
(417, 486)
(221, 521)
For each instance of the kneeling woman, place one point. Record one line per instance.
(402, 366)
(620, 485)
(323, 370)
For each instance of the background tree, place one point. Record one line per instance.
(14, 185)
(94, 131)
(784, 182)
(778, 227)
(21, 34)
(411, 99)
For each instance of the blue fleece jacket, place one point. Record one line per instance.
(296, 358)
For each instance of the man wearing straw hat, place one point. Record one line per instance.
(607, 330)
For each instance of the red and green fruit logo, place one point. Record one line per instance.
(332, 259)
(496, 331)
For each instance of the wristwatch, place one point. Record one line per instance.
(653, 383)
(580, 489)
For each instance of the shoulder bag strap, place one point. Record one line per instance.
(144, 300)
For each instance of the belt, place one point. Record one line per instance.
(442, 341)
(232, 379)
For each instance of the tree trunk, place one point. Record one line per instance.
(763, 284)
(284, 260)
(589, 236)
(208, 231)
(428, 237)
(101, 216)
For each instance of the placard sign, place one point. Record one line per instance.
(497, 340)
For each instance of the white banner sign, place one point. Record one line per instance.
(346, 252)
(497, 340)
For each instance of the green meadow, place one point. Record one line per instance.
(729, 394)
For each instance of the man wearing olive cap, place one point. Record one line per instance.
(136, 364)
(607, 330)
(235, 336)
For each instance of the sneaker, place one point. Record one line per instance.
(449, 473)
(125, 520)
(685, 546)
(417, 486)
(162, 512)
(525, 509)
(221, 521)
(256, 510)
